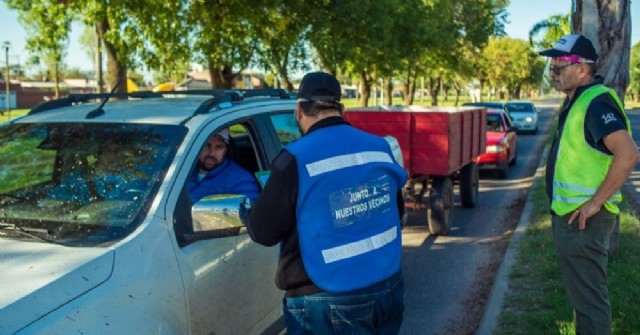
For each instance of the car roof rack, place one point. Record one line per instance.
(219, 96)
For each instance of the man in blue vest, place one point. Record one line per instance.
(592, 155)
(333, 201)
(218, 174)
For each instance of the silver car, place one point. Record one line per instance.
(98, 234)
(524, 115)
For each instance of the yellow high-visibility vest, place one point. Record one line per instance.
(580, 168)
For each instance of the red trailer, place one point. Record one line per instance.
(438, 147)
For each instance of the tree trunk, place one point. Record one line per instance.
(389, 90)
(458, 90)
(221, 78)
(116, 70)
(283, 77)
(56, 79)
(99, 75)
(434, 89)
(366, 80)
(409, 88)
(607, 24)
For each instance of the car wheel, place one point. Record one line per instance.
(440, 206)
(515, 158)
(469, 185)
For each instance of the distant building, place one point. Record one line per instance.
(244, 80)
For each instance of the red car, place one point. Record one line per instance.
(501, 143)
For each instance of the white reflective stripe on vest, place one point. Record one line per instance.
(578, 200)
(583, 189)
(345, 161)
(360, 247)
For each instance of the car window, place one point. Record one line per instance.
(520, 108)
(89, 183)
(286, 127)
(243, 147)
(494, 123)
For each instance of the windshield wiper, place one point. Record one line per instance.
(26, 231)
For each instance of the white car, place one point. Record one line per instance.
(86, 249)
(524, 115)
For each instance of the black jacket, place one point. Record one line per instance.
(273, 219)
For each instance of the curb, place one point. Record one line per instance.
(501, 282)
(500, 286)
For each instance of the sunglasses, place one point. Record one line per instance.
(558, 69)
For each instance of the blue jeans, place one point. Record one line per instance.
(376, 309)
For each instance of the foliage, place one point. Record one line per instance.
(509, 63)
(223, 34)
(634, 72)
(449, 43)
(47, 23)
(75, 73)
(551, 29)
(281, 46)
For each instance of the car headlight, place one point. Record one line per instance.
(528, 119)
(494, 148)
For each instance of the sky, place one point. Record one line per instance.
(523, 14)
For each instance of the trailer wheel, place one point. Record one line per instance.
(440, 206)
(469, 185)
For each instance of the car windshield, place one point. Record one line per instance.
(494, 123)
(81, 184)
(520, 108)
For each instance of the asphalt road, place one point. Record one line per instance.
(448, 278)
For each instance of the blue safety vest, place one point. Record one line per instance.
(347, 214)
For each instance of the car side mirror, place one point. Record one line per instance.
(219, 216)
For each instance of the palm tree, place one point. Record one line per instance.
(553, 28)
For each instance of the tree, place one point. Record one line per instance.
(47, 23)
(608, 25)
(224, 36)
(551, 29)
(152, 32)
(281, 46)
(509, 63)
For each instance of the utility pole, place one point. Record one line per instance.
(6, 46)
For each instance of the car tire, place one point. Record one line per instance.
(469, 185)
(440, 206)
(514, 160)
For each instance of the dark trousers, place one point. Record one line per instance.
(583, 259)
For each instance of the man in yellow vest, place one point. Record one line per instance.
(592, 155)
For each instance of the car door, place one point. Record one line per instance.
(229, 281)
(512, 137)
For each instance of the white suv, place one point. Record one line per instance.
(524, 115)
(89, 249)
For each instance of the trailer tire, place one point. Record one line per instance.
(469, 185)
(440, 206)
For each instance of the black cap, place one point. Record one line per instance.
(573, 44)
(319, 86)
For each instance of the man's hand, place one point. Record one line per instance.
(584, 212)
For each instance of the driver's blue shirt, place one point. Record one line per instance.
(227, 178)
